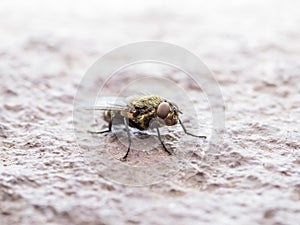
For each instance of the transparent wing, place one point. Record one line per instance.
(108, 103)
(98, 107)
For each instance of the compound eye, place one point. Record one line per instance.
(163, 110)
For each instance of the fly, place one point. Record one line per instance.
(143, 113)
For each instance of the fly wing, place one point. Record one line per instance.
(99, 107)
(108, 103)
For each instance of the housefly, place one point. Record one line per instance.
(142, 113)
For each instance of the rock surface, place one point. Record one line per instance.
(252, 47)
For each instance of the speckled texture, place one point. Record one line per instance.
(253, 49)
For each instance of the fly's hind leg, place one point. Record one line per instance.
(108, 117)
(129, 139)
(188, 133)
(102, 131)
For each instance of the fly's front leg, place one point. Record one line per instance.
(129, 139)
(188, 133)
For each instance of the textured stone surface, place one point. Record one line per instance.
(253, 49)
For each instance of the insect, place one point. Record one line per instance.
(143, 113)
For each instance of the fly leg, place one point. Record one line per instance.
(188, 133)
(129, 139)
(102, 131)
(162, 143)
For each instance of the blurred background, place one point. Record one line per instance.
(251, 46)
